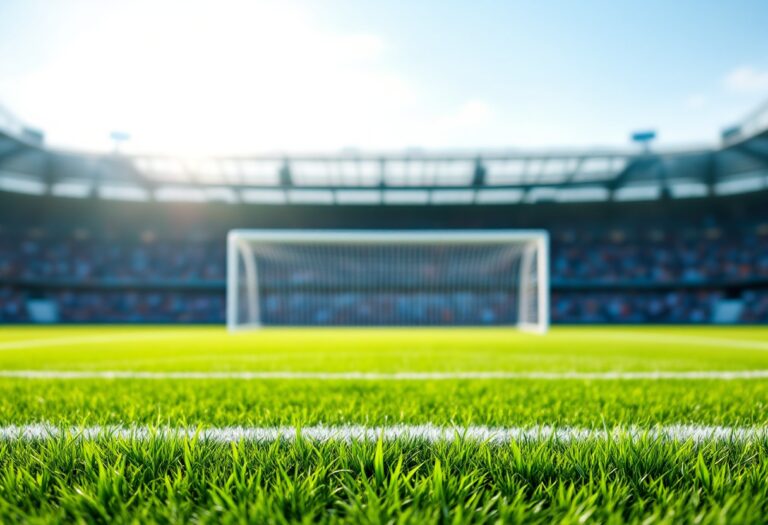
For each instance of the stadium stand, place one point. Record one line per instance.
(658, 262)
(678, 236)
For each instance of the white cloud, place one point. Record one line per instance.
(747, 79)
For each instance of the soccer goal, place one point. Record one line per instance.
(388, 278)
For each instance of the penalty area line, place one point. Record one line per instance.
(430, 433)
(695, 375)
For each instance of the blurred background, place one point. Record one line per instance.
(134, 135)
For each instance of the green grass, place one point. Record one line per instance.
(163, 479)
(302, 403)
(174, 480)
(393, 350)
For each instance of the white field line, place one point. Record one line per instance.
(719, 375)
(348, 433)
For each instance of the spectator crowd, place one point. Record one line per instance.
(614, 257)
(610, 276)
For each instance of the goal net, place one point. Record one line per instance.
(387, 278)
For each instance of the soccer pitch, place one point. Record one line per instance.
(622, 424)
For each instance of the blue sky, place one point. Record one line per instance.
(237, 76)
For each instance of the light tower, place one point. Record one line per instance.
(118, 138)
(644, 138)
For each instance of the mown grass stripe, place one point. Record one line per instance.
(49, 342)
(349, 433)
(722, 375)
(610, 335)
(667, 338)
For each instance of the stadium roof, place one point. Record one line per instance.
(739, 165)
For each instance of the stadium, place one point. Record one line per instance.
(662, 237)
(412, 335)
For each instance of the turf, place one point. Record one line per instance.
(114, 479)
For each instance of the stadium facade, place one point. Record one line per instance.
(667, 236)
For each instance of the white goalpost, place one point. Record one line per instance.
(388, 278)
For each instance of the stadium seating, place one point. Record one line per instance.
(616, 274)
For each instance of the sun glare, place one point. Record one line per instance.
(243, 76)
